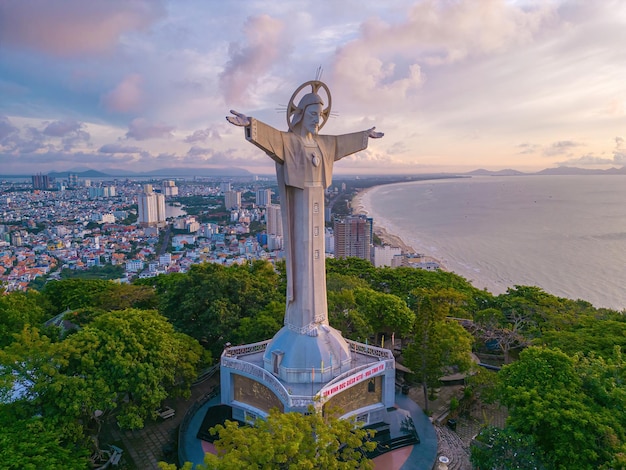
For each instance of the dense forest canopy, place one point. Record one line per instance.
(79, 346)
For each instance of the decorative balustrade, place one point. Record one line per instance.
(234, 351)
(369, 350)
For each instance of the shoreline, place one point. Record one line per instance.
(382, 232)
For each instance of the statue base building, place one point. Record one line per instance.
(318, 368)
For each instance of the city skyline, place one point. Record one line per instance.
(454, 85)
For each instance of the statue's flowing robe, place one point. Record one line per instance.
(303, 173)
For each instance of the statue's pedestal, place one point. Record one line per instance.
(294, 371)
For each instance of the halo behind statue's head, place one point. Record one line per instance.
(295, 113)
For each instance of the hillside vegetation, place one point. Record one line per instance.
(117, 351)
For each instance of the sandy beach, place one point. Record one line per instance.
(359, 206)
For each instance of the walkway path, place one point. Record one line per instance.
(157, 441)
(455, 444)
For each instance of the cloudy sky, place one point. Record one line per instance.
(454, 84)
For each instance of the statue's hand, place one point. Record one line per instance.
(371, 133)
(238, 119)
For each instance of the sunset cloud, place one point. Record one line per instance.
(62, 128)
(119, 148)
(248, 62)
(126, 97)
(454, 85)
(6, 128)
(141, 129)
(73, 27)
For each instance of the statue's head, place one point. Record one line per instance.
(311, 105)
(308, 113)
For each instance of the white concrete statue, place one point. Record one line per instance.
(304, 163)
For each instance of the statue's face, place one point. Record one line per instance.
(311, 118)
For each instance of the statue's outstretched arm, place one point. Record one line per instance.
(372, 134)
(263, 136)
(238, 119)
(347, 144)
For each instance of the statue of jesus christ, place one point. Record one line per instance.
(304, 164)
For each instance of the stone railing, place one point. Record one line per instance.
(234, 351)
(369, 350)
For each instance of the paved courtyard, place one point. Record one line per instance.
(158, 440)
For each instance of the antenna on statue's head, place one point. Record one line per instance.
(318, 74)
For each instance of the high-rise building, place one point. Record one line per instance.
(169, 188)
(273, 220)
(232, 199)
(353, 237)
(41, 181)
(263, 197)
(225, 186)
(151, 207)
(101, 191)
(72, 180)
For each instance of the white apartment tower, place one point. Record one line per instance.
(232, 199)
(169, 188)
(273, 220)
(151, 207)
(263, 197)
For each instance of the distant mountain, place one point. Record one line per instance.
(483, 172)
(119, 172)
(568, 170)
(223, 171)
(81, 174)
(161, 172)
(559, 170)
(233, 171)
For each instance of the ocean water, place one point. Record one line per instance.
(565, 234)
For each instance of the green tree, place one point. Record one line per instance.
(132, 359)
(210, 301)
(344, 315)
(18, 309)
(292, 441)
(104, 272)
(438, 345)
(588, 335)
(126, 361)
(31, 443)
(504, 449)
(123, 296)
(262, 326)
(357, 267)
(386, 313)
(74, 293)
(336, 282)
(536, 307)
(401, 281)
(567, 403)
(438, 349)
